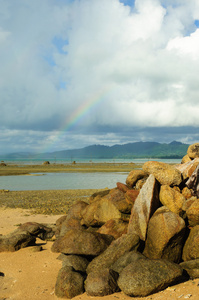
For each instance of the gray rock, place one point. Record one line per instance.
(145, 205)
(117, 249)
(126, 259)
(101, 283)
(144, 277)
(69, 283)
(15, 241)
(78, 263)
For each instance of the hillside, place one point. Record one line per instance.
(130, 150)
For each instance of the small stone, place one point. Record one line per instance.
(187, 296)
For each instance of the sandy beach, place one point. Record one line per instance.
(32, 275)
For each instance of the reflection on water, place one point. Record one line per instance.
(61, 181)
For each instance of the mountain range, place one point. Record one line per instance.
(129, 151)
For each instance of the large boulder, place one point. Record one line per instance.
(41, 231)
(145, 205)
(99, 212)
(126, 259)
(78, 263)
(172, 199)
(114, 227)
(117, 197)
(81, 242)
(193, 151)
(69, 283)
(193, 213)
(144, 277)
(165, 236)
(16, 240)
(134, 176)
(164, 173)
(191, 267)
(131, 196)
(191, 247)
(117, 248)
(101, 283)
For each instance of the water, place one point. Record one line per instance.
(61, 181)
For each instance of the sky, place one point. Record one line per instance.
(75, 73)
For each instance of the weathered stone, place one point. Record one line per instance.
(78, 263)
(193, 150)
(191, 247)
(131, 196)
(117, 197)
(172, 199)
(145, 205)
(98, 195)
(101, 283)
(185, 159)
(81, 242)
(68, 224)
(16, 240)
(193, 213)
(193, 182)
(114, 227)
(188, 168)
(69, 283)
(122, 187)
(99, 212)
(134, 176)
(76, 209)
(164, 173)
(191, 267)
(187, 193)
(165, 236)
(38, 230)
(144, 277)
(126, 259)
(139, 184)
(119, 247)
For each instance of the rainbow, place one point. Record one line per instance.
(78, 115)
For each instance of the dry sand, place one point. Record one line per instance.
(32, 275)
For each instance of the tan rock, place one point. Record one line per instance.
(193, 213)
(185, 159)
(131, 196)
(164, 173)
(114, 227)
(187, 193)
(193, 150)
(172, 199)
(145, 205)
(99, 212)
(134, 176)
(191, 247)
(165, 236)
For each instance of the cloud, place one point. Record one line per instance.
(109, 64)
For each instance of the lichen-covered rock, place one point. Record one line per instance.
(172, 199)
(78, 263)
(81, 242)
(114, 227)
(165, 236)
(191, 247)
(191, 267)
(193, 213)
(69, 283)
(164, 173)
(126, 259)
(193, 150)
(101, 283)
(145, 205)
(119, 247)
(134, 176)
(144, 277)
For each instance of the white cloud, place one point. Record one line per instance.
(139, 64)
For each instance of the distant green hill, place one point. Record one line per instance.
(130, 150)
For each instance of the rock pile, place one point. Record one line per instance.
(139, 237)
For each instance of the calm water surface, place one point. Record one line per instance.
(61, 181)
